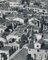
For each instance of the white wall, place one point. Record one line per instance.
(6, 52)
(39, 55)
(13, 4)
(12, 36)
(37, 46)
(1, 30)
(2, 0)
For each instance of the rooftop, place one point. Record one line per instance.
(6, 48)
(31, 46)
(10, 15)
(45, 36)
(45, 46)
(3, 20)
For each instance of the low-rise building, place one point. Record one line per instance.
(14, 3)
(34, 21)
(4, 53)
(2, 28)
(38, 51)
(36, 9)
(19, 20)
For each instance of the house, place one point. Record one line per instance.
(19, 20)
(36, 9)
(3, 21)
(9, 16)
(38, 51)
(13, 41)
(2, 42)
(1, 0)
(4, 5)
(14, 45)
(5, 53)
(45, 23)
(34, 21)
(2, 28)
(11, 36)
(14, 3)
(37, 37)
(31, 3)
(43, 4)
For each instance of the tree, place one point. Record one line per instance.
(24, 39)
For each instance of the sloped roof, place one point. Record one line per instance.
(2, 20)
(45, 46)
(10, 15)
(6, 48)
(31, 46)
(45, 36)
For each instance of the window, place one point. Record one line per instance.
(38, 50)
(45, 56)
(43, 10)
(35, 39)
(37, 45)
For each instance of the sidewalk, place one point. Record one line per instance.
(15, 53)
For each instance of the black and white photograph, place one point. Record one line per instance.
(23, 29)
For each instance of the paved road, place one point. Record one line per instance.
(21, 55)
